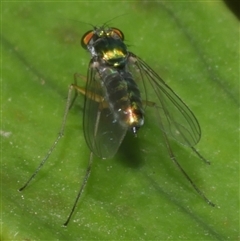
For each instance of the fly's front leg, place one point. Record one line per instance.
(68, 105)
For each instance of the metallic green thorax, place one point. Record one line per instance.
(112, 51)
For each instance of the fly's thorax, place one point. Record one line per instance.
(111, 51)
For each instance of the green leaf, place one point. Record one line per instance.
(139, 194)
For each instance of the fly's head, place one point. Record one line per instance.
(106, 44)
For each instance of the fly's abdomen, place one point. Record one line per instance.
(123, 97)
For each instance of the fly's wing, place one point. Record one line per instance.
(174, 117)
(102, 132)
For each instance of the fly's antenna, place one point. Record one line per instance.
(118, 16)
(78, 21)
(94, 26)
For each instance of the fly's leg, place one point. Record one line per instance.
(87, 175)
(102, 104)
(88, 94)
(68, 105)
(200, 156)
(76, 92)
(153, 104)
(173, 158)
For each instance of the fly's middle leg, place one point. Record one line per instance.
(88, 94)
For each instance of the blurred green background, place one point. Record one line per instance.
(139, 194)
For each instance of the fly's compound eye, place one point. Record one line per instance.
(87, 38)
(118, 32)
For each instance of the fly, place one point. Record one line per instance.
(119, 88)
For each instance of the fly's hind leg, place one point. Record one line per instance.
(174, 159)
(153, 105)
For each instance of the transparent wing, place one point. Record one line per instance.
(174, 117)
(102, 132)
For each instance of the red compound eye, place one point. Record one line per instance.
(86, 38)
(118, 32)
